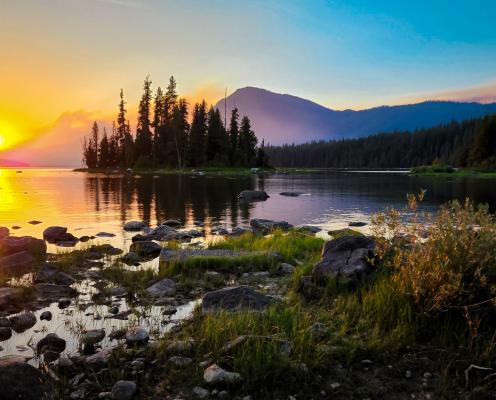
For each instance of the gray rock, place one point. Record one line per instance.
(64, 302)
(291, 194)
(172, 222)
(146, 249)
(46, 315)
(267, 225)
(241, 230)
(137, 335)
(180, 347)
(4, 322)
(232, 298)
(179, 361)
(200, 392)
(215, 374)
(93, 337)
(51, 342)
(251, 195)
(348, 257)
(165, 287)
(52, 292)
(98, 360)
(123, 390)
(5, 333)
(286, 269)
(309, 228)
(134, 226)
(19, 380)
(130, 258)
(22, 322)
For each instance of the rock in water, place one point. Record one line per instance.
(22, 322)
(146, 249)
(267, 225)
(253, 195)
(19, 380)
(215, 374)
(172, 222)
(347, 256)
(46, 315)
(51, 342)
(123, 390)
(51, 292)
(232, 298)
(98, 360)
(137, 335)
(164, 288)
(57, 234)
(132, 226)
(357, 224)
(93, 337)
(5, 333)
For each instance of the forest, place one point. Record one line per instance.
(467, 144)
(166, 137)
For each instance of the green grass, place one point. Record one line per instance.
(448, 171)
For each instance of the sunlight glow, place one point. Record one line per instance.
(9, 135)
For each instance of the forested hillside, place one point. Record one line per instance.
(470, 143)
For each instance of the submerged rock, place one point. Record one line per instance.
(19, 380)
(347, 256)
(165, 287)
(105, 234)
(232, 298)
(134, 226)
(215, 374)
(291, 194)
(172, 222)
(253, 195)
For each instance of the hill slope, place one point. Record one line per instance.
(282, 118)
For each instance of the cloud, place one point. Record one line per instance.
(210, 92)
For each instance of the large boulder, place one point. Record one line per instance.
(51, 342)
(19, 380)
(22, 322)
(348, 256)
(161, 232)
(50, 273)
(233, 298)
(267, 225)
(52, 292)
(17, 260)
(12, 244)
(146, 249)
(251, 195)
(164, 288)
(133, 226)
(58, 234)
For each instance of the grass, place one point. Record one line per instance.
(448, 171)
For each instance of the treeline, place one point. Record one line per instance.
(165, 137)
(470, 143)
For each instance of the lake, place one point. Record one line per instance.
(91, 203)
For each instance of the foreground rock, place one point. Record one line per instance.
(22, 322)
(21, 259)
(146, 249)
(93, 337)
(253, 195)
(233, 298)
(8, 295)
(12, 244)
(137, 335)
(19, 380)
(267, 225)
(123, 390)
(52, 292)
(169, 255)
(164, 288)
(348, 256)
(58, 234)
(51, 274)
(215, 374)
(51, 342)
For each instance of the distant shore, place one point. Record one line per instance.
(447, 171)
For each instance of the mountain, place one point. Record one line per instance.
(282, 118)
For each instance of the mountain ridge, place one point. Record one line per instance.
(285, 118)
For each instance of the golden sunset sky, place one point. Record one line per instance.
(64, 61)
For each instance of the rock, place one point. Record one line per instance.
(357, 224)
(116, 291)
(137, 335)
(291, 194)
(146, 249)
(180, 347)
(19, 380)
(168, 255)
(172, 222)
(233, 344)
(51, 274)
(113, 310)
(267, 225)
(179, 361)
(4, 232)
(251, 195)
(348, 257)
(248, 277)
(46, 315)
(98, 360)
(4, 322)
(215, 374)
(241, 230)
(160, 232)
(58, 234)
(309, 228)
(134, 226)
(35, 222)
(22, 322)
(51, 342)
(130, 258)
(105, 234)
(337, 233)
(8, 295)
(169, 310)
(318, 330)
(201, 224)
(200, 392)
(286, 269)
(5, 333)
(238, 297)
(123, 390)
(218, 230)
(64, 302)
(165, 287)
(64, 364)
(93, 337)
(52, 292)
(12, 244)
(21, 259)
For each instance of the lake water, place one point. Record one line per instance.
(88, 204)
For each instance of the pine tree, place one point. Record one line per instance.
(121, 132)
(90, 149)
(180, 129)
(114, 148)
(247, 143)
(233, 137)
(104, 151)
(158, 125)
(484, 143)
(262, 158)
(143, 144)
(217, 139)
(198, 135)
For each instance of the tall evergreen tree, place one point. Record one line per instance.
(262, 158)
(158, 125)
(233, 137)
(124, 137)
(484, 144)
(143, 144)
(217, 139)
(247, 143)
(104, 151)
(180, 129)
(198, 135)
(90, 148)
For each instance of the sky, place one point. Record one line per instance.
(63, 62)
